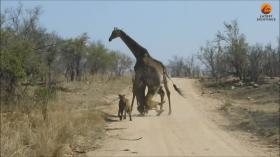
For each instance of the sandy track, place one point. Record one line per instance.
(189, 131)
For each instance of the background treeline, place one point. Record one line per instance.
(229, 54)
(30, 55)
(184, 66)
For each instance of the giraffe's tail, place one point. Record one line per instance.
(179, 90)
(175, 87)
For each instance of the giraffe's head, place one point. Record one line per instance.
(115, 33)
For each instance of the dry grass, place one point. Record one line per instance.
(254, 110)
(226, 105)
(73, 124)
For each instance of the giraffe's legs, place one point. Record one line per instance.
(133, 97)
(161, 93)
(139, 92)
(168, 94)
(136, 92)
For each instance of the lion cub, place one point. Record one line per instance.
(124, 106)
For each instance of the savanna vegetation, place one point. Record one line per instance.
(51, 87)
(41, 75)
(31, 55)
(230, 54)
(247, 77)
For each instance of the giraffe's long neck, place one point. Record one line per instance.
(137, 50)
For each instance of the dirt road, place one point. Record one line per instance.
(189, 131)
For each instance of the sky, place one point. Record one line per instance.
(164, 28)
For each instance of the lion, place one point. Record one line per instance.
(124, 107)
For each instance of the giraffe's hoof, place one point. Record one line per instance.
(141, 109)
(169, 113)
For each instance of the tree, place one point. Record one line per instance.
(176, 66)
(73, 50)
(256, 62)
(122, 63)
(213, 58)
(18, 61)
(98, 59)
(271, 61)
(235, 47)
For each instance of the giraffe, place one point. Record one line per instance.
(139, 85)
(139, 52)
(148, 72)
